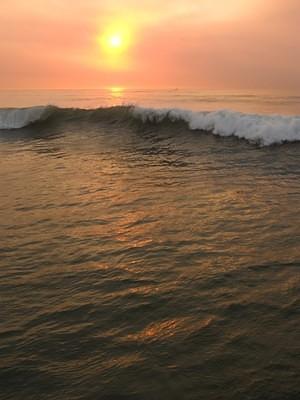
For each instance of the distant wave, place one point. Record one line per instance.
(262, 129)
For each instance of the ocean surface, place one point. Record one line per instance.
(149, 245)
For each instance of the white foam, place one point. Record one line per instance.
(14, 118)
(263, 129)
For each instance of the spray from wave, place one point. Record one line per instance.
(262, 129)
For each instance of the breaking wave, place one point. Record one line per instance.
(262, 129)
(15, 118)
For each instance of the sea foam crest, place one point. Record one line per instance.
(263, 129)
(15, 118)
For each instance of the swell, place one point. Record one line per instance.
(262, 129)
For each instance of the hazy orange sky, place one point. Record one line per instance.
(209, 44)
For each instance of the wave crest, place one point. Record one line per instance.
(15, 118)
(262, 129)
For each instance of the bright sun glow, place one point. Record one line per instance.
(114, 44)
(115, 41)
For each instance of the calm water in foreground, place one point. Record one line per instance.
(147, 261)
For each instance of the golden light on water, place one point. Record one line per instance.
(116, 91)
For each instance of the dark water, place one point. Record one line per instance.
(147, 262)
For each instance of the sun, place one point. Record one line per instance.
(114, 44)
(115, 41)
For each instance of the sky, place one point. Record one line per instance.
(205, 44)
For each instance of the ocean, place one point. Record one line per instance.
(150, 245)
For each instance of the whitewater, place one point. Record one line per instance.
(263, 129)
